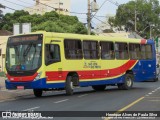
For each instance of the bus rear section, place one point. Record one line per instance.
(145, 69)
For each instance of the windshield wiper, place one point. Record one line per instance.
(26, 51)
(17, 52)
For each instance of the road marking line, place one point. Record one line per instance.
(126, 107)
(82, 95)
(61, 101)
(149, 93)
(31, 109)
(130, 105)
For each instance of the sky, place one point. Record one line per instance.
(79, 6)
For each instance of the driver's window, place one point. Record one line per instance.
(52, 53)
(12, 57)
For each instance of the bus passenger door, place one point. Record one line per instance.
(53, 63)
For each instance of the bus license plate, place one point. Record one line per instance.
(20, 87)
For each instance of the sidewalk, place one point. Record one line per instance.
(2, 83)
(11, 94)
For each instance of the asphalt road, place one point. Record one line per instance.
(144, 96)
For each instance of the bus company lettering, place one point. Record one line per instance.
(91, 65)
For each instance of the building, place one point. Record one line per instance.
(122, 34)
(106, 29)
(3, 40)
(43, 6)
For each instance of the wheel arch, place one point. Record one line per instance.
(76, 79)
(129, 72)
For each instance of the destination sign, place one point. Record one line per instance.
(25, 38)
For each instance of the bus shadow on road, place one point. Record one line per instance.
(62, 94)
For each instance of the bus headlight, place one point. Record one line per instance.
(38, 76)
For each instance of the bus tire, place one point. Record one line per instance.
(38, 92)
(128, 82)
(69, 85)
(99, 87)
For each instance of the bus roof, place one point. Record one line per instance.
(90, 37)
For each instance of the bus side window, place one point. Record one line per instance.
(107, 50)
(52, 54)
(73, 49)
(134, 51)
(148, 52)
(121, 50)
(143, 53)
(91, 49)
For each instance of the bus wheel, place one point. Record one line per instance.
(37, 92)
(99, 87)
(69, 85)
(128, 83)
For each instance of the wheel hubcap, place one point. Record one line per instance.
(129, 81)
(71, 84)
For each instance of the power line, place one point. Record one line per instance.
(39, 3)
(25, 2)
(19, 4)
(102, 30)
(101, 16)
(55, 8)
(115, 3)
(26, 6)
(93, 16)
(14, 3)
(81, 18)
(9, 7)
(99, 8)
(101, 21)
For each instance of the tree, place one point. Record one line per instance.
(1, 15)
(147, 15)
(50, 22)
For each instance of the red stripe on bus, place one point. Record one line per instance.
(22, 79)
(92, 74)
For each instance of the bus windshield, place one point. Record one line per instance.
(24, 53)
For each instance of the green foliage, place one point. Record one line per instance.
(50, 22)
(148, 12)
(1, 15)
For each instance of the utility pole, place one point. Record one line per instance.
(89, 17)
(150, 31)
(135, 19)
(59, 7)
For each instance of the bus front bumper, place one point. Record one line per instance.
(38, 84)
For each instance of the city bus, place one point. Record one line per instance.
(45, 61)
